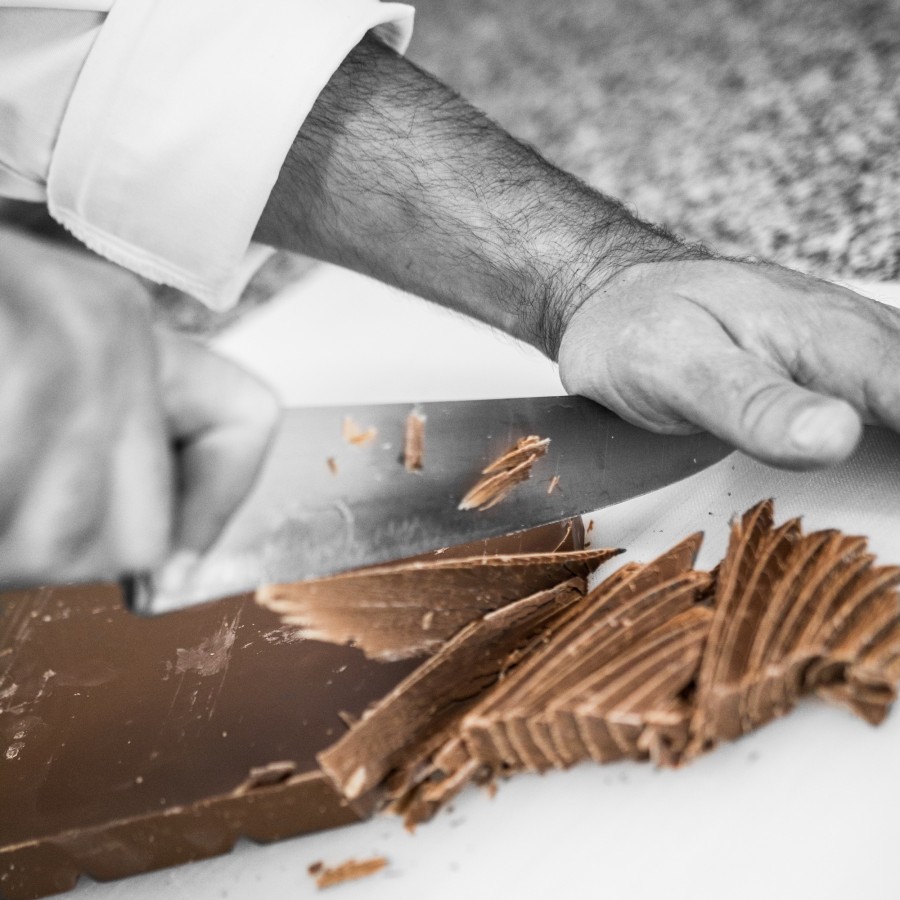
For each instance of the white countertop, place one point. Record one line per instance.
(806, 807)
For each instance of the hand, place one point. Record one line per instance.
(118, 443)
(781, 365)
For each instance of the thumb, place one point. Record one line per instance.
(221, 420)
(765, 414)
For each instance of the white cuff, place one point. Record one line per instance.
(181, 119)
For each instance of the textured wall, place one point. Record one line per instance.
(764, 127)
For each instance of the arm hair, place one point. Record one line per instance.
(396, 176)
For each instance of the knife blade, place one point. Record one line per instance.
(324, 504)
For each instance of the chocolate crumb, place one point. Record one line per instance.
(315, 867)
(566, 537)
(414, 443)
(502, 475)
(265, 776)
(353, 434)
(331, 462)
(347, 871)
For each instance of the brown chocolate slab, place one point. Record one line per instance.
(130, 744)
(108, 721)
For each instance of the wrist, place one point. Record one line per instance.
(581, 266)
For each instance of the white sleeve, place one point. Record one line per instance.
(41, 53)
(180, 120)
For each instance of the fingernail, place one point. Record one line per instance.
(817, 428)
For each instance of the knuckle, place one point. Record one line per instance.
(757, 403)
(266, 408)
(38, 382)
(145, 551)
(254, 403)
(37, 544)
(77, 543)
(72, 510)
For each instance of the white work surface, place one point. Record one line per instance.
(808, 807)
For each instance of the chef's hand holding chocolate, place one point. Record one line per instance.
(667, 334)
(120, 444)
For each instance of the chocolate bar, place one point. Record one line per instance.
(131, 744)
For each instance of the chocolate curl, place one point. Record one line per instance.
(502, 475)
(657, 662)
(808, 614)
(391, 736)
(411, 608)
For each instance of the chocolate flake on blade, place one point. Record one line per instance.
(658, 662)
(414, 443)
(504, 473)
(384, 610)
(353, 434)
(328, 876)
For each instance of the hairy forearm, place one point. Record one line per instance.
(396, 176)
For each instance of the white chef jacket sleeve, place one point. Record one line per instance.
(180, 120)
(41, 53)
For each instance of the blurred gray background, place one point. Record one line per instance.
(765, 127)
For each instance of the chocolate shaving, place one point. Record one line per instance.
(414, 443)
(353, 434)
(812, 614)
(385, 610)
(659, 661)
(435, 695)
(347, 871)
(504, 473)
(265, 776)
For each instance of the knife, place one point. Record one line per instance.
(334, 493)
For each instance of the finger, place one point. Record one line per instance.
(56, 529)
(222, 420)
(98, 503)
(827, 337)
(139, 521)
(856, 356)
(762, 412)
(86, 484)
